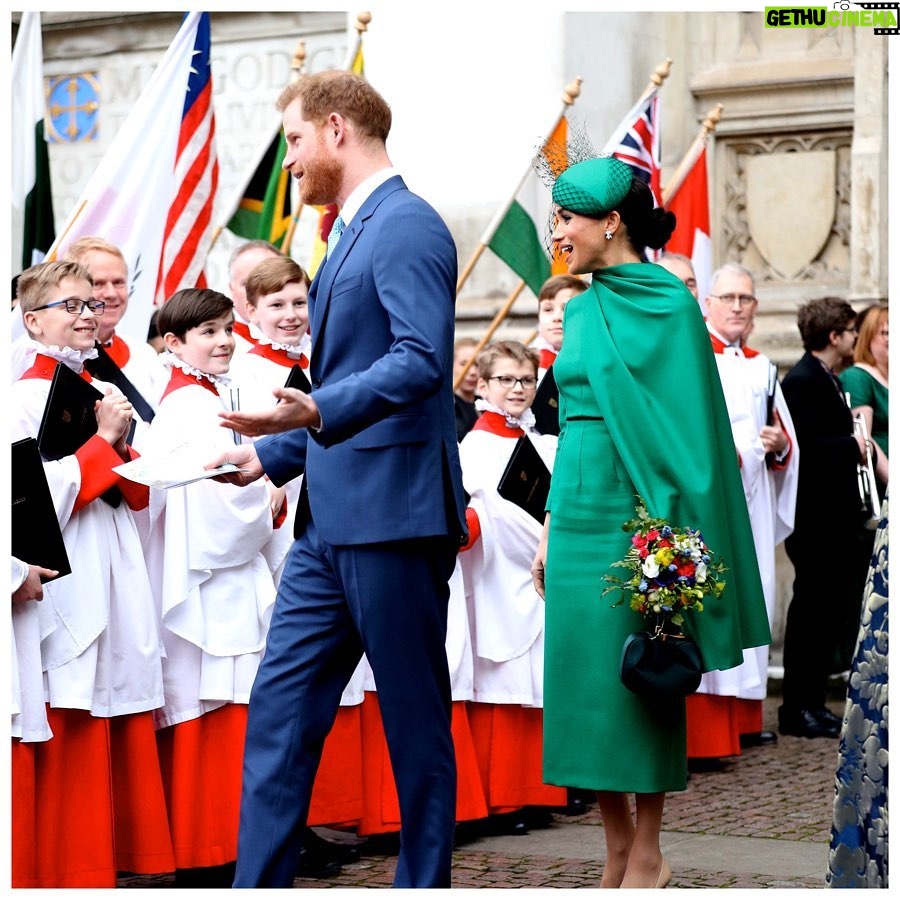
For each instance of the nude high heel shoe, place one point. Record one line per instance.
(665, 874)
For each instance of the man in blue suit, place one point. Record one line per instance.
(384, 512)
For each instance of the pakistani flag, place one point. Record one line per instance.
(32, 206)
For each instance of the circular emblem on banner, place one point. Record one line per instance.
(73, 103)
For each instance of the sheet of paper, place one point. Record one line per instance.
(179, 466)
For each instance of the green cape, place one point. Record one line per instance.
(656, 381)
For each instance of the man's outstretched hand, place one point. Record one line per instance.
(293, 410)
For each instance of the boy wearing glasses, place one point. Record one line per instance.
(97, 800)
(506, 615)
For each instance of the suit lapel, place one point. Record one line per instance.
(320, 291)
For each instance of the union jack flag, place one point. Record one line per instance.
(188, 233)
(636, 141)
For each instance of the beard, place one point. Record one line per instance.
(321, 180)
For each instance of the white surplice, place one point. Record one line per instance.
(212, 584)
(771, 498)
(100, 643)
(506, 615)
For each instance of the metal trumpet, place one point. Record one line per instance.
(865, 478)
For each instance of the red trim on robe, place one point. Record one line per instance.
(143, 841)
(242, 329)
(494, 423)
(381, 811)
(712, 726)
(179, 379)
(749, 716)
(508, 741)
(44, 366)
(281, 357)
(23, 816)
(337, 796)
(96, 459)
(547, 358)
(118, 351)
(201, 762)
(473, 524)
(89, 812)
(719, 346)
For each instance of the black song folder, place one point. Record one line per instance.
(545, 405)
(36, 535)
(68, 419)
(526, 479)
(298, 379)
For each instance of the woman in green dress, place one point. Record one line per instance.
(641, 413)
(866, 381)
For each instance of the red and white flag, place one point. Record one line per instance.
(188, 233)
(691, 238)
(152, 192)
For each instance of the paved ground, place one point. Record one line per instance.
(762, 822)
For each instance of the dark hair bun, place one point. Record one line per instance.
(659, 228)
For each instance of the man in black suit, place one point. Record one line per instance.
(827, 516)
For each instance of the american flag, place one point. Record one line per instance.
(636, 141)
(188, 233)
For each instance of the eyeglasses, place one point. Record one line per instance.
(529, 382)
(76, 307)
(744, 299)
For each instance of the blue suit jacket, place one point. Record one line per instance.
(382, 310)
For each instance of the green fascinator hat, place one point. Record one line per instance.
(593, 187)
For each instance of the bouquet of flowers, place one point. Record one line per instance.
(671, 569)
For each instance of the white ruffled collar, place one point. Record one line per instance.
(68, 356)
(525, 421)
(294, 351)
(167, 358)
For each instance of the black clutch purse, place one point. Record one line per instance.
(660, 664)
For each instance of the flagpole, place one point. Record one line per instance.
(362, 25)
(693, 152)
(298, 64)
(570, 94)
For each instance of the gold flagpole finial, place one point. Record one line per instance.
(572, 90)
(298, 62)
(661, 72)
(362, 21)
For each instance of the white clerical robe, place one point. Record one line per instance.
(29, 711)
(506, 615)
(771, 498)
(212, 585)
(100, 643)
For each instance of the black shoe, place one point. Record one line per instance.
(826, 717)
(206, 877)
(706, 764)
(339, 851)
(803, 723)
(312, 867)
(509, 823)
(758, 739)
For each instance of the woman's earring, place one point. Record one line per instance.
(607, 234)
